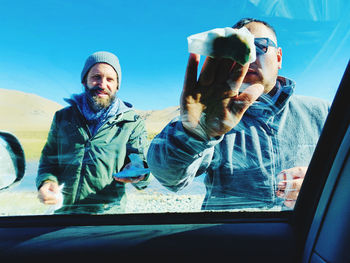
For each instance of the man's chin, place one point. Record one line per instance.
(252, 78)
(248, 82)
(102, 102)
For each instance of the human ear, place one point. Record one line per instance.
(279, 57)
(117, 83)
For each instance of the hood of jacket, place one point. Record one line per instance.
(266, 106)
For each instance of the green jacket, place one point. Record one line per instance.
(85, 163)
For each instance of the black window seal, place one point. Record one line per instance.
(335, 128)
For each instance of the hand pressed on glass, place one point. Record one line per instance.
(213, 105)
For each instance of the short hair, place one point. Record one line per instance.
(244, 21)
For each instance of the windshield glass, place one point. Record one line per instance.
(143, 126)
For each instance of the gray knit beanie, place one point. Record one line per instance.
(102, 57)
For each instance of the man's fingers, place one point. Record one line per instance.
(215, 70)
(50, 202)
(241, 103)
(47, 193)
(290, 182)
(236, 76)
(289, 189)
(292, 195)
(47, 198)
(298, 172)
(190, 83)
(294, 172)
(282, 185)
(209, 69)
(289, 203)
(54, 188)
(224, 70)
(191, 73)
(50, 186)
(130, 179)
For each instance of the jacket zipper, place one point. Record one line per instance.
(87, 144)
(86, 149)
(271, 140)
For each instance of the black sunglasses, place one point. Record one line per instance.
(262, 44)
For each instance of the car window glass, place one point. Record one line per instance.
(45, 45)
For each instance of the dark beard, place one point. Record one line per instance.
(97, 103)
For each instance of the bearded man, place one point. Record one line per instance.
(89, 142)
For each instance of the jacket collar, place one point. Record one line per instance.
(266, 107)
(124, 107)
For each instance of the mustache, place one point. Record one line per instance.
(92, 91)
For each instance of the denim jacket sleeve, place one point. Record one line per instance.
(175, 157)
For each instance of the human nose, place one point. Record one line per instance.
(102, 82)
(257, 63)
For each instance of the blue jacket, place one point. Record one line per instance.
(241, 166)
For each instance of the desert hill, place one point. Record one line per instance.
(157, 119)
(27, 116)
(23, 111)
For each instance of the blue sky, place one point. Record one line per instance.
(44, 43)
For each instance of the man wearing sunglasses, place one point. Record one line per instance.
(243, 127)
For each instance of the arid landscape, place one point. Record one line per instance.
(27, 116)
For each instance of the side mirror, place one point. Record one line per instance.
(12, 161)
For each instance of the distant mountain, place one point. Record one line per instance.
(21, 111)
(24, 111)
(157, 119)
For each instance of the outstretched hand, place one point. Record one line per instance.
(133, 179)
(212, 105)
